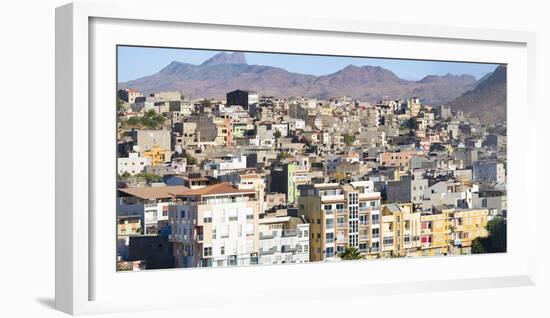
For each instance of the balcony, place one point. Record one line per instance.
(268, 251)
(288, 249)
(363, 237)
(266, 236)
(290, 232)
(375, 250)
(341, 224)
(200, 237)
(341, 211)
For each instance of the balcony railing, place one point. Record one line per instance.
(341, 224)
(288, 249)
(341, 211)
(267, 236)
(363, 237)
(268, 251)
(290, 232)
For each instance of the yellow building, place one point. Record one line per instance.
(341, 216)
(451, 231)
(157, 155)
(466, 226)
(400, 230)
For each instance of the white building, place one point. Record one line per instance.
(228, 162)
(489, 171)
(132, 164)
(283, 239)
(151, 204)
(215, 226)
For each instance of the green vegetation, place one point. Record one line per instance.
(206, 103)
(150, 120)
(350, 253)
(348, 139)
(495, 242)
(124, 176)
(149, 177)
(119, 104)
(283, 155)
(190, 159)
(277, 134)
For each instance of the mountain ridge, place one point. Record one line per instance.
(225, 72)
(487, 99)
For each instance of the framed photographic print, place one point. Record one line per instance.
(278, 157)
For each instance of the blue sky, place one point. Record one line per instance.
(136, 62)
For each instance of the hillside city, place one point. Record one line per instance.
(254, 180)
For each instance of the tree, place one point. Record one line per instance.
(277, 134)
(190, 159)
(495, 242)
(124, 176)
(119, 104)
(283, 155)
(206, 103)
(350, 253)
(149, 177)
(348, 139)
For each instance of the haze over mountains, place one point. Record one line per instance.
(226, 72)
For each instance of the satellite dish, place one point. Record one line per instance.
(135, 148)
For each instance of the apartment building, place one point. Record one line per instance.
(215, 226)
(132, 164)
(451, 231)
(151, 204)
(283, 239)
(400, 230)
(157, 155)
(341, 216)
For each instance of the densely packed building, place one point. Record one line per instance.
(257, 179)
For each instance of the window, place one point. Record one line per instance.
(329, 238)
(182, 214)
(375, 232)
(207, 251)
(207, 220)
(328, 207)
(329, 251)
(222, 250)
(213, 234)
(407, 238)
(376, 219)
(233, 218)
(250, 216)
(388, 240)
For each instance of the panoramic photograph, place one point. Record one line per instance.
(231, 158)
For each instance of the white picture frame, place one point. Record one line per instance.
(82, 283)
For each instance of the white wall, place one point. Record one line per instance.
(27, 62)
